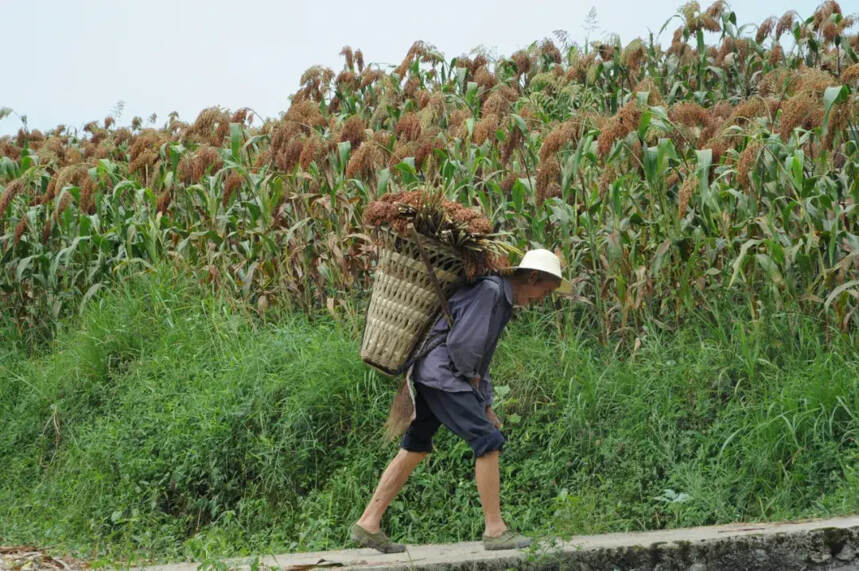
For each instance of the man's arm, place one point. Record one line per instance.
(485, 388)
(490, 413)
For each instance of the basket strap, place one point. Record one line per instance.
(433, 279)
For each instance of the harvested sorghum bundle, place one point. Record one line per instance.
(464, 229)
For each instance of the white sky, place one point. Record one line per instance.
(71, 61)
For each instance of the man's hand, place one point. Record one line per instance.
(493, 418)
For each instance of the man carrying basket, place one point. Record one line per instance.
(452, 387)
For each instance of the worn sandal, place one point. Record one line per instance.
(507, 540)
(378, 541)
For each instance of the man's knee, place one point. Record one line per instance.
(488, 443)
(412, 457)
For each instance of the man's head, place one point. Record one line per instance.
(530, 286)
(536, 276)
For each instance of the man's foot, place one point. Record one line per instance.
(378, 541)
(507, 540)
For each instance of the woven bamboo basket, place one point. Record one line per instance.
(404, 299)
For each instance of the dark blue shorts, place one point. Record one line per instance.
(462, 413)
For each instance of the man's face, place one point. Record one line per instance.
(533, 289)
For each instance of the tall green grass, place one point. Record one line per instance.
(166, 422)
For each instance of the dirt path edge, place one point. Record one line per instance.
(823, 544)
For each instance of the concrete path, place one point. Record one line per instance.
(813, 544)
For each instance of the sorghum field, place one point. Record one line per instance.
(182, 304)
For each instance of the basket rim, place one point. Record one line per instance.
(426, 241)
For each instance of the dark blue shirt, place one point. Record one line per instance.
(480, 311)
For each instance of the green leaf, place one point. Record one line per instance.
(343, 149)
(839, 290)
(471, 94)
(520, 123)
(384, 177)
(407, 170)
(705, 159)
(651, 164)
(737, 264)
(501, 391)
(23, 265)
(460, 77)
(89, 293)
(236, 140)
(659, 257)
(770, 267)
(832, 95)
(518, 193)
(796, 164)
(644, 123)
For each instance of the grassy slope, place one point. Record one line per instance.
(168, 423)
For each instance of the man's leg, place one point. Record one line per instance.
(392, 480)
(416, 443)
(466, 417)
(489, 487)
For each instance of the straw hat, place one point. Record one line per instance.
(542, 261)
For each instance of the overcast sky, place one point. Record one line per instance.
(71, 61)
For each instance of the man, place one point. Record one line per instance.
(453, 387)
